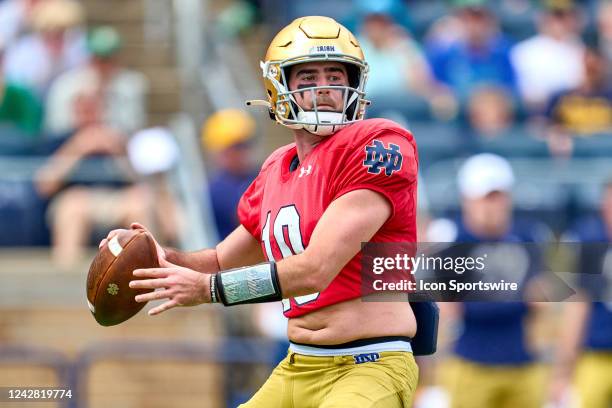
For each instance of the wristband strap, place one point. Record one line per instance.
(252, 284)
(213, 289)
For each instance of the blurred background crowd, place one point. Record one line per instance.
(114, 111)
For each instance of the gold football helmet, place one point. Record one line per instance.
(311, 39)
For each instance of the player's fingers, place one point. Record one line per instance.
(112, 233)
(164, 263)
(162, 308)
(110, 236)
(151, 273)
(137, 225)
(158, 294)
(148, 284)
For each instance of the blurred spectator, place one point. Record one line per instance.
(397, 64)
(55, 46)
(227, 135)
(76, 208)
(584, 352)
(604, 30)
(113, 197)
(490, 111)
(14, 17)
(121, 191)
(115, 93)
(584, 110)
(238, 17)
(19, 107)
(493, 365)
(479, 55)
(551, 61)
(444, 32)
(492, 128)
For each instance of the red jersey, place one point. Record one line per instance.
(282, 207)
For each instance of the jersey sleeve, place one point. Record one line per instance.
(249, 206)
(386, 163)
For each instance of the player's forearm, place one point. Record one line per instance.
(303, 274)
(50, 178)
(204, 260)
(570, 338)
(267, 282)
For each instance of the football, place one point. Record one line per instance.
(109, 296)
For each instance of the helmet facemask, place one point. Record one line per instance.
(320, 122)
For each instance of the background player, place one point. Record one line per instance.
(584, 354)
(343, 182)
(493, 365)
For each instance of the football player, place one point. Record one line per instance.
(343, 181)
(493, 365)
(584, 350)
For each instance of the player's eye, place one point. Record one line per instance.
(335, 80)
(309, 78)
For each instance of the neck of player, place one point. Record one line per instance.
(305, 142)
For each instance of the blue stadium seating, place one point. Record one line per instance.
(438, 141)
(22, 215)
(517, 141)
(599, 145)
(14, 142)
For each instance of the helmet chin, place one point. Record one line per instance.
(321, 123)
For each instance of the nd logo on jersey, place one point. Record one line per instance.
(379, 157)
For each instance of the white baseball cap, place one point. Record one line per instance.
(484, 173)
(153, 151)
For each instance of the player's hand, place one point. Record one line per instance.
(559, 392)
(97, 139)
(161, 254)
(181, 286)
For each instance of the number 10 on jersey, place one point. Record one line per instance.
(289, 243)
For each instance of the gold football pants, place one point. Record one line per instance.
(594, 380)
(338, 381)
(473, 385)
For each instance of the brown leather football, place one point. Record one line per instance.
(109, 296)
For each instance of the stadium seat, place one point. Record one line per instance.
(408, 106)
(22, 215)
(14, 142)
(543, 201)
(540, 191)
(339, 10)
(599, 145)
(514, 142)
(437, 141)
(424, 13)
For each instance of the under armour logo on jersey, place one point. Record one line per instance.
(379, 157)
(366, 358)
(305, 171)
